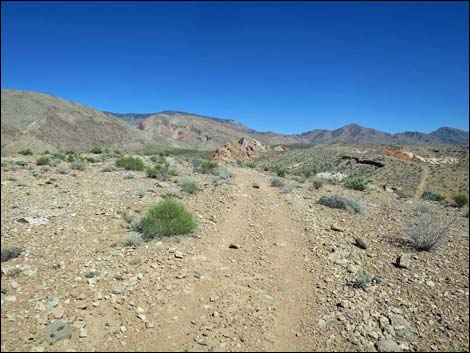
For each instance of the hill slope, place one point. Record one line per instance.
(40, 121)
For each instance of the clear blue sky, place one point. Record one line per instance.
(282, 66)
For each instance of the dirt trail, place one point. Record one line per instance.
(423, 181)
(257, 295)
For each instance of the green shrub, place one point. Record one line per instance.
(46, 152)
(43, 160)
(222, 173)
(307, 173)
(21, 163)
(317, 184)
(432, 196)
(189, 186)
(117, 152)
(130, 163)
(127, 217)
(26, 152)
(422, 209)
(355, 183)
(96, 150)
(281, 173)
(460, 200)
(251, 165)
(166, 218)
(350, 205)
(78, 165)
(92, 274)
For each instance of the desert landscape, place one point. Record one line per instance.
(222, 176)
(294, 248)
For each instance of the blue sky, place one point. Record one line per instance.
(287, 67)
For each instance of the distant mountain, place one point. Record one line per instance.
(41, 121)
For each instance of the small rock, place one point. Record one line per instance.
(403, 261)
(234, 246)
(388, 345)
(360, 243)
(119, 289)
(202, 341)
(268, 299)
(178, 254)
(59, 330)
(11, 298)
(82, 333)
(58, 312)
(337, 228)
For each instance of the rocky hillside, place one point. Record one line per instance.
(40, 121)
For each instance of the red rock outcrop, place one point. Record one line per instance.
(399, 154)
(244, 149)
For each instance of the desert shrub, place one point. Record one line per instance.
(61, 169)
(90, 159)
(317, 184)
(159, 171)
(189, 186)
(26, 152)
(107, 169)
(46, 152)
(70, 157)
(58, 155)
(129, 175)
(21, 182)
(130, 163)
(422, 209)
(460, 200)
(432, 196)
(78, 164)
(355, 183)
(167, 217)
(21, 163)
(350, 205)
(126, 217)
(171, 194)
(207, 167)
(307, 173)
(96, 150)
(281, 173)
(277, 183)
(251, 165)
(222, 173)
(362, 280)
(288, 188)
(156, 159)
(425, 233)
(133, 240)
(43, 160)
(117, 152)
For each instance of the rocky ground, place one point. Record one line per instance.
(266, 270)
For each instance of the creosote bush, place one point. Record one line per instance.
(460, 200)
(43, 160)
(317, 184)
(350, 205)
(130, 163)
(167, 217)
(189, 186)
(356, 183)
(160, 171)
(26, 152)
(432, 196)
(96, 150)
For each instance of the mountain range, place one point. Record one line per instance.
(40, 121)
